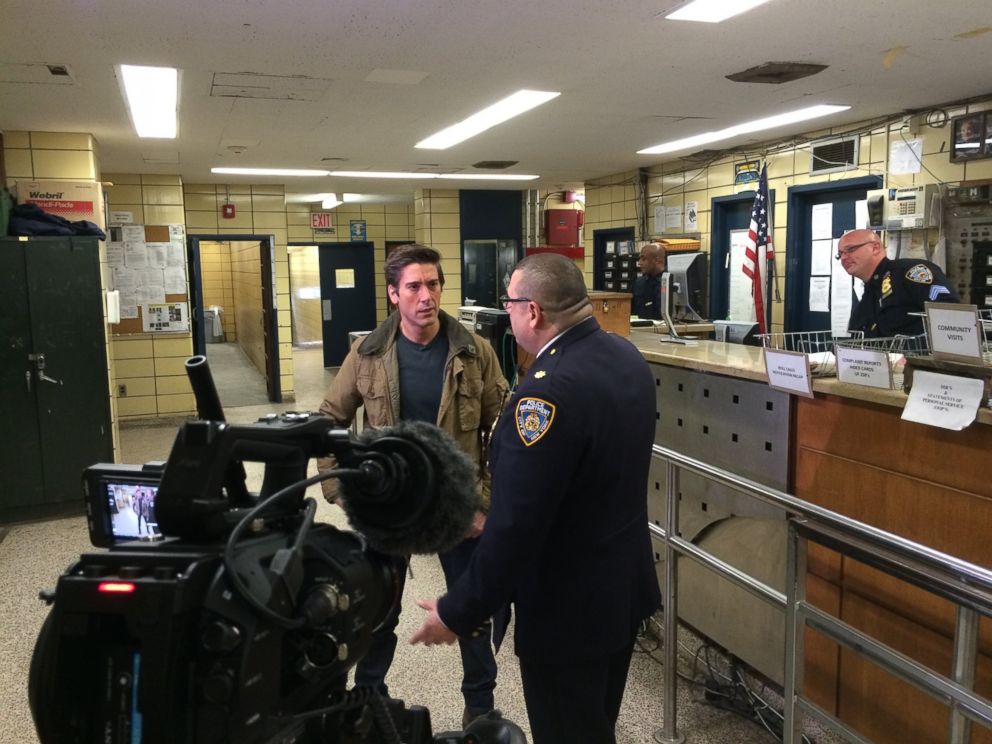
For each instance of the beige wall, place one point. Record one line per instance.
(61, 155)
(246, 274)
(304, 278)
(437, 220)
(260, 210)
(392, 222)
(150, 366)
(614, 201)
(218, 285)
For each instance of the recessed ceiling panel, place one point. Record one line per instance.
(36, 74)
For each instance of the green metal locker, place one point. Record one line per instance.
(55, 401)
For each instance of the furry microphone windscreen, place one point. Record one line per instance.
(433, 500)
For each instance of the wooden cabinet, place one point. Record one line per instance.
(611, 309)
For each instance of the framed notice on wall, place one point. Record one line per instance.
(165, 316)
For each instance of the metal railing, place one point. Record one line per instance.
(966, 585)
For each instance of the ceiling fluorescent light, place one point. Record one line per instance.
(330, 201)
(484, 177)
(268, 172)
(757, 125)
(514, 105)
(152, 94)
(381, 174)
(712, 11)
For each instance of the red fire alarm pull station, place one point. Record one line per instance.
(227, 211)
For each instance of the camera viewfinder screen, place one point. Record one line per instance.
(131, 507)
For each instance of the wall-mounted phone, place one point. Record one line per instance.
(908, 208)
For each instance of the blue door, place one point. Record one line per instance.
(347, 295)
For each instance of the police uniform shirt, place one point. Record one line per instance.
(899, 287)
(647, 297)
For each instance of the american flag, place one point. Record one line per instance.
(759, 242)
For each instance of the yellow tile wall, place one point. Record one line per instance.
(612, 201)
(150, 365)
(437, 215)
(304, 272)
(218, 284)
(246, 274)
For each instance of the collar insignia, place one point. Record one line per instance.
(552, 352)
(886, 286)
(920, 273)
(534, 417)
(540, 374)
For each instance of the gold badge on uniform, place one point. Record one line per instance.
(539, 375)
(920, 273)
(887, 286)
(534, 417)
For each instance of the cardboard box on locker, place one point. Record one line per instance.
(74, 200)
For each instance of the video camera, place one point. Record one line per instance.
(217, 615)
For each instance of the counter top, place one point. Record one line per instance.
(745, 362)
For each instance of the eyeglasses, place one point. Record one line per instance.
(850, 249)
(506, 300)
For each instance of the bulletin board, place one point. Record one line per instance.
(147, 265)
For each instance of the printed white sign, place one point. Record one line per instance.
(868, 367)
(788, 371)
(943, 400)
(954, 331)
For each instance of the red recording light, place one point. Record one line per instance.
(116, 587)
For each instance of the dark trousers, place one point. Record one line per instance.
(478, 663)
(575, 701)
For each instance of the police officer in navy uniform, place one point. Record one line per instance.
(566, 541)
(646, 302)
(894, 288)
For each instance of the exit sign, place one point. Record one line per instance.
(320, 220)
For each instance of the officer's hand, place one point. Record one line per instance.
(478, 524)
(433, 631)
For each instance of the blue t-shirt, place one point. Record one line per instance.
(421, 377)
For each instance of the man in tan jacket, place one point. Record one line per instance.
(421, 364)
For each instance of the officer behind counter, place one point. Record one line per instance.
(647, 287)
(894, 288)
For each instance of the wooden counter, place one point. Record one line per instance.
(850, 451)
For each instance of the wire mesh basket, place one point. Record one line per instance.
(818, 345)
(890, 351)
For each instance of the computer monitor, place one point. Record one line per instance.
(690, 281)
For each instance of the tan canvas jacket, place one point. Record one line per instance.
(474, 389)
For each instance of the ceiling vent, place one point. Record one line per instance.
(775, 73)
(833, 155)
(495, 164)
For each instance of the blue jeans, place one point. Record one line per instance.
(478, 662)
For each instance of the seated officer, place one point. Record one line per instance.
(894, 288)
(647, 287)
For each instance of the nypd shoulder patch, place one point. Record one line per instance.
(534, 418)
(920, 273)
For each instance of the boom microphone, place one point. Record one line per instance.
(416, 492)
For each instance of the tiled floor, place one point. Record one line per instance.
(33, 555)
